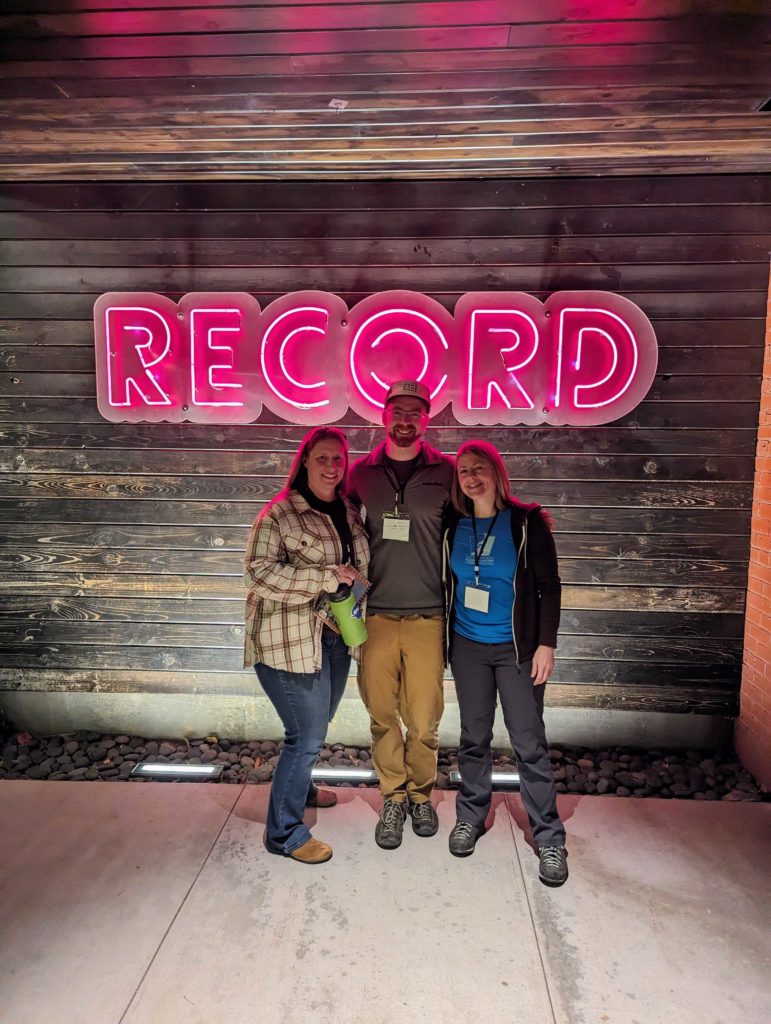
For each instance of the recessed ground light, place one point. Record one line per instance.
(322, 774)
(194, 772)
(503, 780)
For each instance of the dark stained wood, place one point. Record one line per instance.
(647, 415)
(25, 610)
(276, 464)
(137, 199)
(551, 222)
(260, 438)
(200, 639)
(240, 253)
(531, 278)
(616, 571)
(682, 699)
(169, 587)
(121, 545)
(186, 658)
(219, 517)
(657, 304)
(648, 494)
(364, 14)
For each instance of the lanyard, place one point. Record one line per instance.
(477, 548)
(398, 487)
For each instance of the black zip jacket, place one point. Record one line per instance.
(537, 588)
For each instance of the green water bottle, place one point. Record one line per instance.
(348, 616)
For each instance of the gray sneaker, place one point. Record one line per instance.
(553, 865)
(388, 831)
(463, 839)
(425, 821)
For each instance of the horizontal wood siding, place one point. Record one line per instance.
(232, 89)
(120, 560)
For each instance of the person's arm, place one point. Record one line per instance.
(545, 569)
(269, 575)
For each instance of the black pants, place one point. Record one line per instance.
(482, 672)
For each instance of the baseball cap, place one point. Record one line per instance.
(409, 389)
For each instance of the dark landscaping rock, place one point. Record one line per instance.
(616, 771)
(680, 789)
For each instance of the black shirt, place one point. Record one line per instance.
(402, 470)
(335, 509)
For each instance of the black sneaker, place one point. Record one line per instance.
(388, 831)
(553, 865)
(425, 821)
(463, 839)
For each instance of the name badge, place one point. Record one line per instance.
(477, 599)
(396, 527)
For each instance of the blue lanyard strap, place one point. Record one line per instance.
(477, 548)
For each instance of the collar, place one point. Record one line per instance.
(429, 455)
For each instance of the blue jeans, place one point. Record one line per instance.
(306, 703)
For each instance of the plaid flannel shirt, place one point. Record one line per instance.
(287, 569)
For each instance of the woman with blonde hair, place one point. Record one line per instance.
(503, 601)
(303, 546)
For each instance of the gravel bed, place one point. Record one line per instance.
(615, 771)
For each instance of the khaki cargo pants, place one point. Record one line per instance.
(400, 681)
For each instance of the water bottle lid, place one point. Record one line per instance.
(342, 592)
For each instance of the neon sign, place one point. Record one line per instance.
(581, 358)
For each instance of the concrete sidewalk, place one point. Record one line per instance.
(143, 904)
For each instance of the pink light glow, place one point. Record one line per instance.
(499, 335)
(606, 357)
(139, 360)
(301, 344)
(222, 333)
(581, 357)
(397, 335)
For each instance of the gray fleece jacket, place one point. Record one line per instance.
(406, 577)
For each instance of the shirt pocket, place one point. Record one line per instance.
(305, 549)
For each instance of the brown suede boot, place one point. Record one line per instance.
(312, 852)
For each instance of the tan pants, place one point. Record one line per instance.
(400, 677)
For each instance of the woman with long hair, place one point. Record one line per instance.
(303, 545)
(503, 601)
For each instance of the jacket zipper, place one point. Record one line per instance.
(514, 584)
(447, 575)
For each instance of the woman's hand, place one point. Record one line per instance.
(343, 574)
(543, 664)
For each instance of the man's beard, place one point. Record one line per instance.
(404, 439)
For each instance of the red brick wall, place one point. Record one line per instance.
(753, 730)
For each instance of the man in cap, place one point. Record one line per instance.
(403, 487)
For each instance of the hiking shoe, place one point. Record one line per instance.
(463, 839)
(553, 865)
(388, 831)
(424, 819)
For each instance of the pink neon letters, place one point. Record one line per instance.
(504, 357)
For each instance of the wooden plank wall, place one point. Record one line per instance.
(121, 544)
(233, 89)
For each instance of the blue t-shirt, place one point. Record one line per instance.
(496, 571)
